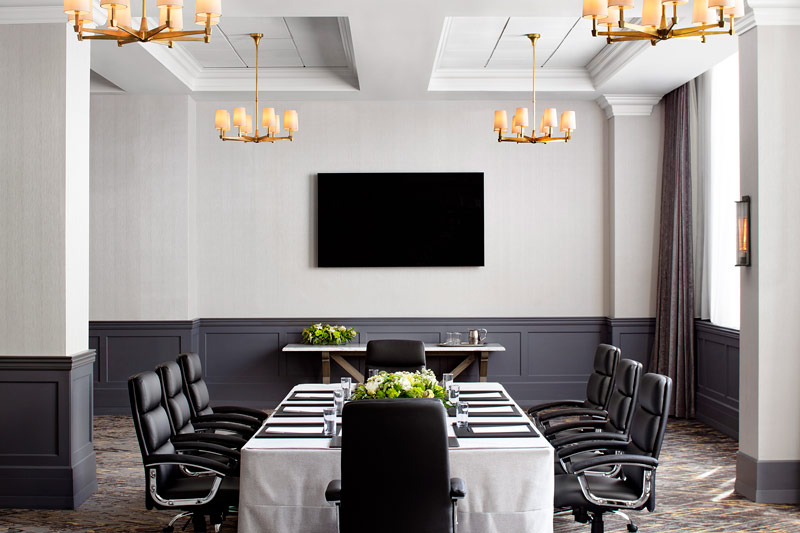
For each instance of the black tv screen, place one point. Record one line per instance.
(400, 219)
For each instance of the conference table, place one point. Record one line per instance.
(287, 465)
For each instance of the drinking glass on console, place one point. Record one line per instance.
(338, 400)
(329, 421)
(373, 372)
(457, 338)
(346, 388)
(447, 381)
(455, 391)
(449, 338)
(462, 414)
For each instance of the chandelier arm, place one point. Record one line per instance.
(101, 31)
(641, 29)
(696, 29)
(176, 35)
(100, 37)
(130, 31)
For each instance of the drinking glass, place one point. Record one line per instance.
(329, 421)
(373, 372)
(457, 338)
(338, 400)
(346, 388)
(455, 390)
(462, 414)
(447, 381)
(449, 338)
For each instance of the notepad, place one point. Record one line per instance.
(313, 395)
(294, 429)
(500, 429)
(303, 409)
(482, 394)
(492, 409)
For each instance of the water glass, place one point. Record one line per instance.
(457, 338)
(329, 420)
(449, 338)
(346, 388)
(373, 372)
(338, 400)
(455, 390)
(447, 381)
(462, 414)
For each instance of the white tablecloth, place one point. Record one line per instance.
(509, 481)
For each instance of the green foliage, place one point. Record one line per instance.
(419, 384)
(327, 334)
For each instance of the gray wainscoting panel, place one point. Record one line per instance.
(545, 358)
(634, 338)
(717, 354)
(47, 461)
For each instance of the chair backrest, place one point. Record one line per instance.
(405, 441)
(395, 355)
(193, 384)
(173, 398)
(649, 425)
(151, 422)
(623, 399)
(601, 380)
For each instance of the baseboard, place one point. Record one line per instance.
(719, 416)
(768, 481)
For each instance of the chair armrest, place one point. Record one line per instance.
(458, 488)
(209, 447)
(229, 441)
(333, 493)
(203, 463)
(229, 417)
(244, 431)
(573, 411)
(645, 461)
(258, 414)
(568, 440)
(552, 405)
(553, 431)
(592, 445)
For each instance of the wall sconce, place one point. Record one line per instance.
(743, 232)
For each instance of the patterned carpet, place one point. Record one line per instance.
(695, 491)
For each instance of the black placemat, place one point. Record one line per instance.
(336, 442)
(451, 412)
(466, 432)
(468, 397)
(264, 434)
(281, 412)
(294, 397)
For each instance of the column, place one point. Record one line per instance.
(47, 457)
(768, 464)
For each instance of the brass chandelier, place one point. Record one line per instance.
(244, 122)
(170, 21)
(547, 124)
(655, 25)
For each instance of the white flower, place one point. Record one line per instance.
(371, 387)
(404, 383)
(342, 328)
(377, 379)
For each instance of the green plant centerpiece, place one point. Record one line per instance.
(327, 334)
(419, 384)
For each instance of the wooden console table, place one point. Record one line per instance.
(338, 353)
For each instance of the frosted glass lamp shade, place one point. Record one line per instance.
(290, 120)
(542, 129)
(275, 127)
(267, 116)
(201, 18)
(596, 9)
(721, 3)
(737, 10)
(515, 128)
(568, 121)
(86, 18)
(610, 20)
(674, 2)
(81, 6)
(522, 112)
(651, 13)
(701, 13)
(177, 3)
(239, 117)
(222, 120)
(620, 4)
(122, 18)
(175, 17)
(248, 126)
(209, 7)
(501, 121)
(550, 117)
(119, 4)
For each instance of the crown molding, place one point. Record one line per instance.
(628, 105)
(276, 79)
(502, 80)
(347, 44)
(746, 23)
(613, 58)
(775, 12)
(178, 61)
(32, 15)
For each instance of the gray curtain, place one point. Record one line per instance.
(673, 349)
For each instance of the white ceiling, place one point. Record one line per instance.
(407, 49)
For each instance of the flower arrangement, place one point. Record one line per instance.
(419, 384)
(327, 334)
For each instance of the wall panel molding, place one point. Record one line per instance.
(717, 356)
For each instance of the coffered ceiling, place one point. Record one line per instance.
(390, 50)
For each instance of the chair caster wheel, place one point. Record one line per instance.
(633, 528)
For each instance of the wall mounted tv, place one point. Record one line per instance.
(400, 219)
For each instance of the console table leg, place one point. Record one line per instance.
(326, 367)
(484, 366)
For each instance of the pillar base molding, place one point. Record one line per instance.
(768, 481)
(47, 458)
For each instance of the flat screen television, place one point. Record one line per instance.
(400, 219)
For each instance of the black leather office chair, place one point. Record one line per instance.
(616, 421)
(407, 438)
(633, 485)
(598, 389)
(199, 402)
(176, 477)
(204, 427)
(395, 355)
